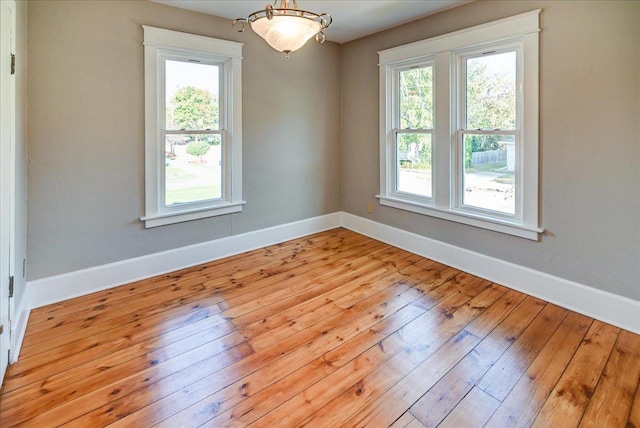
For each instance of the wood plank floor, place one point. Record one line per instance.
(330, 330)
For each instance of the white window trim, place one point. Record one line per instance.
(158, 41)
(522, 29)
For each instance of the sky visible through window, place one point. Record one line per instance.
(181, 73)
(501, 64)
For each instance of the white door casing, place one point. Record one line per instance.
(7, 172)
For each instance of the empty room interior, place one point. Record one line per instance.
(320, 213)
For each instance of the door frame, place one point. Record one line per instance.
(7, 173)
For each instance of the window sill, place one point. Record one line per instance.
(520, 230)
(195, 214)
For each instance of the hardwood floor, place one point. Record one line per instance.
(334, 329)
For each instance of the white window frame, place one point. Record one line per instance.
(520, 32)
(159, 46)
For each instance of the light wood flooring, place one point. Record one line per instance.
(330, 330)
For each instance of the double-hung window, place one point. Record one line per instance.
(413, 131)
(193, 131)
(459, 126)
(488, 137)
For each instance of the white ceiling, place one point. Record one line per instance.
(351, 19)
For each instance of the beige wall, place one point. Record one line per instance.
(86, 134)
(589, 140)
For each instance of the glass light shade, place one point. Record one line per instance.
(286, 33)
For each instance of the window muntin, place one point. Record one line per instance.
(193, 127)
(480, 49)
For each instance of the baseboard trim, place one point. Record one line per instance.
(23, 311)
(611, 308)
(74, 284)
(608, 307)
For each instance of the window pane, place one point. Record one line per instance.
(192, 96)
(416, 98)
(193, 168)
(414, 163)
(491, 91)
(489, 172)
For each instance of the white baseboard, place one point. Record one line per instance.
(607, 307)
(67, 286)
(21, 318)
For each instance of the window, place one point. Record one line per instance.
(413, 131)
(459, 126)
(193, 129)
(488, 131)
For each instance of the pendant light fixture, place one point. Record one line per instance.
(285, 28)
